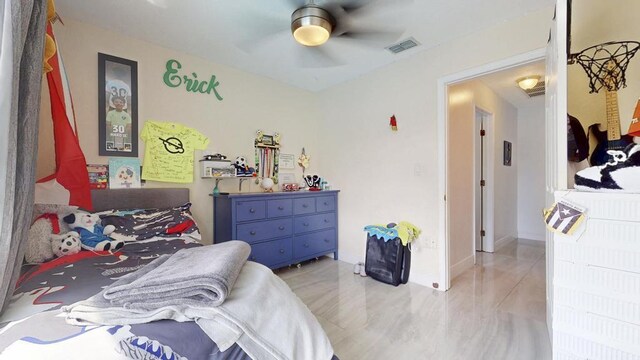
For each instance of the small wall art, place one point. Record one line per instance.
(507, 153)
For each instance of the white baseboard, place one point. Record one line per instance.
(460, 267)
(420, 279)
(531, 236)
(426, 280)
(348, 258)
(503, 240)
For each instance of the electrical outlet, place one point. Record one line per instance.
(417, 169)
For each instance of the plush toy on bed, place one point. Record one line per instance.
(65, 244)
(44, 239)
(93, 235)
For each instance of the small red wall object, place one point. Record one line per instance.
(393, 123)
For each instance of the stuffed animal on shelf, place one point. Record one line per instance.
(93, 235)
(242, 169)
(65, 244)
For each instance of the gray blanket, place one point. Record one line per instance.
(198, 277)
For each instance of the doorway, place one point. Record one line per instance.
(453, 260)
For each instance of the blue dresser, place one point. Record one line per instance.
(282, 228)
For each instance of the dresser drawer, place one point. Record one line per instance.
(279, 208)
(263, 230)
(304, 206)
(250, 210)
(310, 244)
(314, 222)
(325, 203)
(272, 252)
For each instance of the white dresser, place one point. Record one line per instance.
(596, 283)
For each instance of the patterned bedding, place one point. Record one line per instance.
(32, 327)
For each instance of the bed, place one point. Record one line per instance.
(33, 325)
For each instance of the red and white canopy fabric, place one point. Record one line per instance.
(70, 182)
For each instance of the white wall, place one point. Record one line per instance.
(250, 103)
(385, 175)
(531, 170)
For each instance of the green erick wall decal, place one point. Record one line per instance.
(191, 83)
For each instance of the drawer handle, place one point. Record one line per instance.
(252, 232)
(252, 258)
(305, 224)
(326, 240)
(280, 207)
(305, 205)
(306, 245)
(252, 210)
(281, 251)
(326, 203)
(281, 227)
(326, 220)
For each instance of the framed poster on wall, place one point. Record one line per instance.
(117, 106)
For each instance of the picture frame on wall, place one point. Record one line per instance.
(507, 153)
(267, 140)
(117, 106)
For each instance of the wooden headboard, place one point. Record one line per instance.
(138, 198)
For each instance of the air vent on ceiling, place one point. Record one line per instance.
(403, 45)
(537, 90)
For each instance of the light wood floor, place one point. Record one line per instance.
(494, 311)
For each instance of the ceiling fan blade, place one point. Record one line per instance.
(296, 4)
(364, 8)
(257, 28)
(373, 37)
(315, 57)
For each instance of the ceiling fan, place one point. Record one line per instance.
(318, 25)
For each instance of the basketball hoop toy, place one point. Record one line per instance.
(606, 64)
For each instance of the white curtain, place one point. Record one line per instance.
(21, 51)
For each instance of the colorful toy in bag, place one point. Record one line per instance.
(93, 235)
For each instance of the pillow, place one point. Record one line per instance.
(152, 224)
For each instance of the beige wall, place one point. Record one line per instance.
(531, 170)
(250, 103)
(387, 176)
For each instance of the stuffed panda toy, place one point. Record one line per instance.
(65, 244)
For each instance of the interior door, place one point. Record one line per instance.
(479, 180)
(556, 130)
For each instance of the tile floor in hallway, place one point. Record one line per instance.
(496, 310)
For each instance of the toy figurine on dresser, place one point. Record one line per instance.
(313, 182)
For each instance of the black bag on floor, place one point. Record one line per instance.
(387, 261)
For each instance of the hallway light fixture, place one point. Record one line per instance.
(528, 82)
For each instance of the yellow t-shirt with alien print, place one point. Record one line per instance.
(168, 154)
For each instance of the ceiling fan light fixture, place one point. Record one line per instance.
(311, 25)
(528, 82)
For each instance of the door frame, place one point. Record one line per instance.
(489, 168)
(443, 124)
